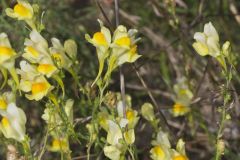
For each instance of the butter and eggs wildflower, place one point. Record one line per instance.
(117, 49)
(207, 43)
(162, 150)
(59, 145)
(120, 131)
(7, 54)
(32, 81)
(183, 98)
(7, 59)
(13, 120)
(161, 147)
(22, 11)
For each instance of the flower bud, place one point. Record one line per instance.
(147, 111)
(70, 47)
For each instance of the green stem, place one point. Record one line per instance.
(27, 149)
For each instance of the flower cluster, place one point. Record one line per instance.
(117, 49)
(162, 149)
(38, 66)
(40, 61)
(120, 130)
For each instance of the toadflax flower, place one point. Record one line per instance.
(161, 147)
(32, 82)
(207, 43)
(22, 11)
(37, 52)
(124, 45)
(182, 99)
(119, 49)
(7, 57)
(179, 153)
(58, 54)
(13, 121)
(6, 52)
(59, 144)
(101, 40)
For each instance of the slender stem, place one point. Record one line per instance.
(122, 82)
(44, 145)
(223, 115)
(27, 148)
(116, 12)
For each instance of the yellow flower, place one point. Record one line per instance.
(46, 69)
(112, 152)
(124, 46)
(3, 103)
(32, 82)
(5, 99)
(102, 119)
(59, 145)
(59, 56)
(207, 42)
(158, 151)
(36, 49)
(129, 136)
(179, 153)
(123, 42)
(39, 89)
(179, 109)
(13, 122)
(6, 52)
(183, 97)
(132, 118)
(180, 157)
(101, 40)
(22, 11)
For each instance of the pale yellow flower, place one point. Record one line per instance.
(124, 45)
(179, 153)
(58, 145)
(160, 152)
(36, 48)
(7, 54)
(112, 152)
(183, 97)
(39, 89)
(5, 99)
(132, 118)
(32, 82)
(180, 157)
(162, 147)
(207, 42)
(59, 56)
(179, 109)
(22, 11)
(101, 40)
(13, 122)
